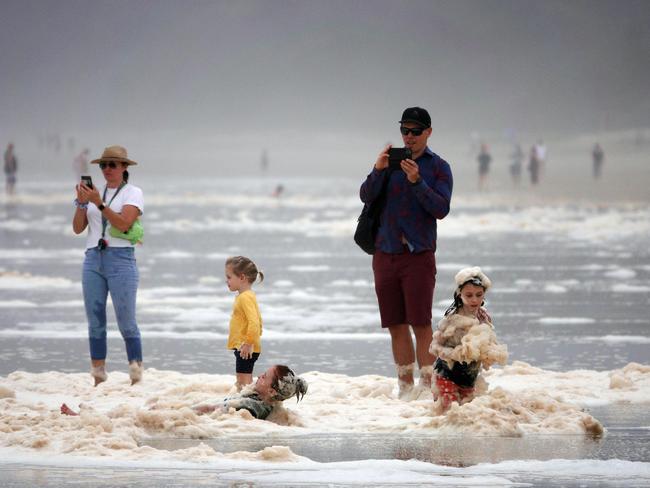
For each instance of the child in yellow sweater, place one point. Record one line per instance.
(246, 320)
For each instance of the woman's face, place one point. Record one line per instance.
(264, 383)
(472, 297)
(112, 171)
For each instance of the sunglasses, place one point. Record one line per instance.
(111, 165)
(416, 131)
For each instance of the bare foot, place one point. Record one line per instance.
(99, 374)
(135, 372)
(203, 409)
(65, 410)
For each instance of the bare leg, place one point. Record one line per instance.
(244, 379)
(65, 410)
(402, 344)
(423, 338)
(404, 356)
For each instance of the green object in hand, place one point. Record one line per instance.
(133, 235)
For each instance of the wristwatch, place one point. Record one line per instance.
(101, 207)
(416, 182)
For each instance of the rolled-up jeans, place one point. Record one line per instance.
(112, 270)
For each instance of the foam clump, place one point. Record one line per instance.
(465, 339)
(7, 392)
(115, 418)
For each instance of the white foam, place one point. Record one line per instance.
(626, 288)
(582, 387)
(27, 281)
(621, 273)
(566, 320)
(283, 283)
(550, 288)
(17, 304)
(41, 254)
(618, 339)
(308, 268)
(315, 212)
(360, 283)
(115, 416)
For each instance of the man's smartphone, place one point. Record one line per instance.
(87, 180)
(396, 155)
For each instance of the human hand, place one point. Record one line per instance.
(86, 194)
(246, 351)
(411, 169)
(382, 158)
(81, 198)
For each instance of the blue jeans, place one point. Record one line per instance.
(111, 270)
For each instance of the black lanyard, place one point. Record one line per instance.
(104, 219)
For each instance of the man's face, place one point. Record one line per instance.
(416, 143)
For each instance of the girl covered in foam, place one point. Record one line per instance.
(464, 342)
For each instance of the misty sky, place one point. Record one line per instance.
(331, 65)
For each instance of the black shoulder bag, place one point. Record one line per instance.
(368, 221)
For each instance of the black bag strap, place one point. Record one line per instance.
(377, 205)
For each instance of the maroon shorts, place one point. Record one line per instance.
(404, 285)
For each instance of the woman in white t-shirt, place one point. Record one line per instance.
(110, 264)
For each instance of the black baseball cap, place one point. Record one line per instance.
(417, 115)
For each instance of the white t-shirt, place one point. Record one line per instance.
(128, 195)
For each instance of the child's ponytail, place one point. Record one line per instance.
(241, 265)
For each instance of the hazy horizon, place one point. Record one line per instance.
(316, 83)
(476, 65)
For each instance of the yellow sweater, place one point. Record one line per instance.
(246, 322)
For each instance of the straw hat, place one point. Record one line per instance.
(114, 153)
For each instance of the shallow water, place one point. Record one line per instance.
(571, 282)
(626, 440)
(572, 290)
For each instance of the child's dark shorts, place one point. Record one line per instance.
(245, 365)
(404, 285)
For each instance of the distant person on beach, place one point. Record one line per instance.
(516, 161)
(80, 163)
(245, 333)
(533, 166)
(404, 265)
(540, 151)
(264, 162)
(460, 346)
(110, 264)
(272, 387)
(598, 157)
(484, 159)
(11, 168)
(279, 190)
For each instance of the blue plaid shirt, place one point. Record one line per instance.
(411, 211)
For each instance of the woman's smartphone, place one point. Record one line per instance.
(87, 180)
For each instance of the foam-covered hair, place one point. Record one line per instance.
(472, 275)
(286, 384)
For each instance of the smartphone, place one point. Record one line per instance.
(396, 155)
(87, 180)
